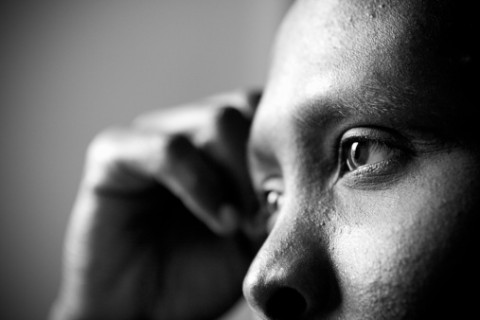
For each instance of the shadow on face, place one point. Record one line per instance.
(364, 150)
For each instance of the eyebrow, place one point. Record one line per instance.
(374, 100)
(317, 111)
(371, 99)
(378, 102)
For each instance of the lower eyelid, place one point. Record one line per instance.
(379, 175)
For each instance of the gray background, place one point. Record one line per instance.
(69, 69)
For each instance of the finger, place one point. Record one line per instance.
(219, 125)
(189, 118)
(226, 143)
(126, 161)
(244, 100)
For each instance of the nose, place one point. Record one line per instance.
(291, 277)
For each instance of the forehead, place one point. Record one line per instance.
(340, 45)
(371, 57)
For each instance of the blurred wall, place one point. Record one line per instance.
(70, 68)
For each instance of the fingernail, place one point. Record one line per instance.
(228, 218)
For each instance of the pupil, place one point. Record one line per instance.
(359, 154)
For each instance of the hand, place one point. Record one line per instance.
(160, 228)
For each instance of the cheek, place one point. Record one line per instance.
(387, 243)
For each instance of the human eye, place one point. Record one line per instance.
(372, 155)
(272, 204)
(271, 199)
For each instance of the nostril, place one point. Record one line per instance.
(285, 303)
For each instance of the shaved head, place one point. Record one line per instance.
(365, 131)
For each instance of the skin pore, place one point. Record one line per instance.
(369, 183)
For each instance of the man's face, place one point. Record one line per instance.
(367, 183)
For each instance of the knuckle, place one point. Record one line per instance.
(103, 159)
(240, 98)
(104, 148)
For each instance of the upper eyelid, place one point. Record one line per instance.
(381, 135)
(372, 132)
(271, 183)
(385, 137)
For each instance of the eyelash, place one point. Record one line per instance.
(359, 142)
(379, 141)
(394, 151)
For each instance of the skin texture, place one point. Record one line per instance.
(350, 192)
(392, 239)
